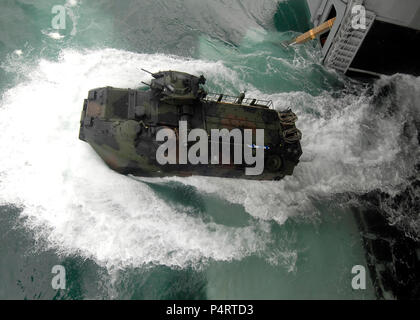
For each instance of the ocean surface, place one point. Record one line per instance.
(121, 237)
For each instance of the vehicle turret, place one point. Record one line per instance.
(177, 88)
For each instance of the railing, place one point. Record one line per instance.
(217, 97)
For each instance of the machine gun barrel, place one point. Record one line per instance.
(154, 75)
(146, 71)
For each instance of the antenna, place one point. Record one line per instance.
(147, 71)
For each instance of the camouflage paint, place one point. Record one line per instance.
(121, 126)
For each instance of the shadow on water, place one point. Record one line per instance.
(27, 272)
(208, 207)
(162, 283)
(290, 16)
(308, 259)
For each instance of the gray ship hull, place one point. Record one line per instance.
(388, 44)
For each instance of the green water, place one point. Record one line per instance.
(184, 238)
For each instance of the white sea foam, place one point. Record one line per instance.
(72, 3)
(71, 198)
(349, 146)
(75, 202)
(54, 35)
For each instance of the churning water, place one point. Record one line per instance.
(126, 237)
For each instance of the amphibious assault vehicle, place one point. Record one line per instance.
(122, 126)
